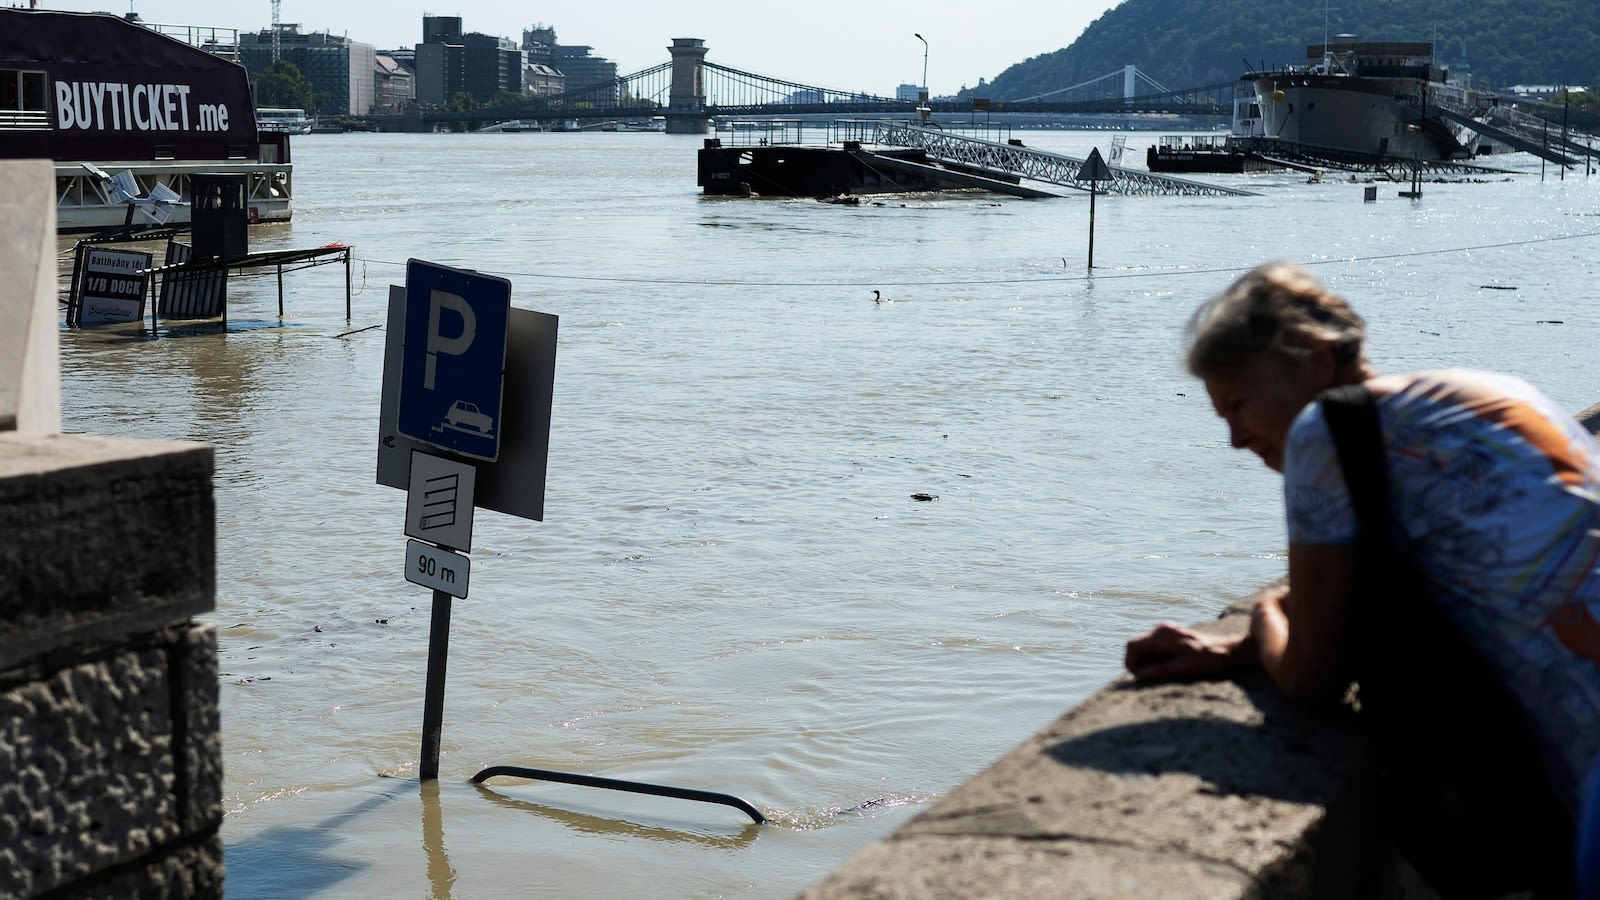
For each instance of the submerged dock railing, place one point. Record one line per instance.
(1039, 165)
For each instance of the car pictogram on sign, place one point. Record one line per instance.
(465, 416)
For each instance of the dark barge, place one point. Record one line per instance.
(1195, 154)
(769, 160)
(793, 171)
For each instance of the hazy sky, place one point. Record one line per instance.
(845, 44)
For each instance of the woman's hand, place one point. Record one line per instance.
(1172, 652)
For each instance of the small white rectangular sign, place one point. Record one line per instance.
(437, 568)
(112, 286)
(439, 502)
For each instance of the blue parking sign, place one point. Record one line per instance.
(453, 359)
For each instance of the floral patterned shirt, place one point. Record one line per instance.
(1497, 492)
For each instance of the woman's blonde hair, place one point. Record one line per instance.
(1279, 309)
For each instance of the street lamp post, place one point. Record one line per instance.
(923, 109)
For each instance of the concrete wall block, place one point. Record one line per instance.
(192, 872)
(109, 537)
(30, 362)
(88, 773)
(201, 755)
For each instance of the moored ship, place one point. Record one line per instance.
(1216, 153)
(1369, 101)
(96, 89)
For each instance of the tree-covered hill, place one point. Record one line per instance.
(1188, 43)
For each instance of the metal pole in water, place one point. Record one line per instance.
(433, 695)
(1092, 184)
(74, 294)
(1565, 100)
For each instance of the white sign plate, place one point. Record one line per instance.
(112, 287)
(437, 568)
(439, 502)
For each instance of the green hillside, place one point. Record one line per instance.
(1188, 43)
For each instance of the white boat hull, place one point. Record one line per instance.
(85, 203)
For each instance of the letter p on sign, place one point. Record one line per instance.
(438, 302)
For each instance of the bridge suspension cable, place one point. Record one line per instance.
(1130, 76)
(730, 87)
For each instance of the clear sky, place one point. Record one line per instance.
(845, 44)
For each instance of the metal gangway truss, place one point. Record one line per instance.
(1025, 162)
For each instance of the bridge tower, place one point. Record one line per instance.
(687, 102)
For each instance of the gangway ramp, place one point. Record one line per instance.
(1510, 139)
(1037, 165)
(952, 176)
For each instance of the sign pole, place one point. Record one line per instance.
(1092, 184)
(433, 697)
(1093, 170)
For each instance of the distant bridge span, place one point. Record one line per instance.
(688, 91)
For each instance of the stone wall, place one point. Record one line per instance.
(110, 754)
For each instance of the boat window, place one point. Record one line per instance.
(23, 99)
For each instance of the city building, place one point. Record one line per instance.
(451, 62)
(393, 86)
(341, 71)
(441, 29)
(909, 92)
(580, 70)
(539, 42)
(545, 81)
(584, 71)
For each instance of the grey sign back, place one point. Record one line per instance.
(514, 485)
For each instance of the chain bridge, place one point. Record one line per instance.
(687, 91)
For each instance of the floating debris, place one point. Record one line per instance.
(1497, 287)
(923, 496)
(1549, 322)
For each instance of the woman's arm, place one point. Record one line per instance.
(1299, 633)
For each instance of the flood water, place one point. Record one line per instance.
(733, 588)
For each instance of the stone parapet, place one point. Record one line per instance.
(110, 753)
(106, 537)
(30, 367)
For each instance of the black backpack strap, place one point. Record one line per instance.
(1352, 416)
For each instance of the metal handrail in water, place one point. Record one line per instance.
(617, 784)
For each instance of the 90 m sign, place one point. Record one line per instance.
(437, 568)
